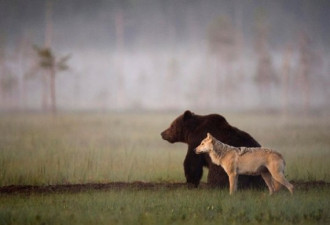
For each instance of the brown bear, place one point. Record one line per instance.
(191, 129)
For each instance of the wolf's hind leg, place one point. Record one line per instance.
(268, 180)
(277, 185)
(279, 177)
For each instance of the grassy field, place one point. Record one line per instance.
(40, 149)
(182, 206)
(101, 148)
(71, 148)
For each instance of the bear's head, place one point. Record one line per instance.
(179, 128)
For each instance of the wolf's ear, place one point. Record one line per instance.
(187, 115)
(209, 136)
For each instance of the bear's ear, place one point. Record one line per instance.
(187, 115)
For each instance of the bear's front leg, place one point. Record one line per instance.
(193, 168)
(217, 177)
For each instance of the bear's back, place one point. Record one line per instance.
(218, 126)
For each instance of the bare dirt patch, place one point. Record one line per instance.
(137, 185)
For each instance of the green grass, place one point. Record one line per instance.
(86, 148)
(182, 206)
(81, 148)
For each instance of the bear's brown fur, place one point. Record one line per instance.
(191, 129)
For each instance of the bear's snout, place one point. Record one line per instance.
(163, 134)
(167, 136)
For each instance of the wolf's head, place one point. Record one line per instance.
(206, 145)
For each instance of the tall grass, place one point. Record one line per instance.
(40, 149)
(80, 148)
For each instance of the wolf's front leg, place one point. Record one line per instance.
(232, 183)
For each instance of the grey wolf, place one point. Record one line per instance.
(249, 161)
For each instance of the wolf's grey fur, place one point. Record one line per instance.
(250, 161)
(222, 148)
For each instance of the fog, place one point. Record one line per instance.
(166, 55)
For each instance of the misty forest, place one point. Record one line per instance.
(164, 55)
